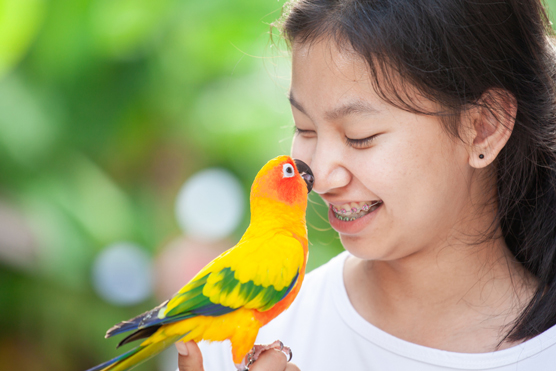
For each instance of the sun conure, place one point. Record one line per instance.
(242, 289)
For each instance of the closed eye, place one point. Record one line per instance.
(360, 143)
(303, 132)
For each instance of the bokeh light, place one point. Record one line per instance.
(210, 204)
(17, 240)
(122, 274)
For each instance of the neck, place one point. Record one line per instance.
(457, 296)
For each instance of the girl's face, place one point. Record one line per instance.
(395, 182)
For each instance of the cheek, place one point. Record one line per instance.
(390, 168)
(291, 190)
(412, 173)
(423, 185)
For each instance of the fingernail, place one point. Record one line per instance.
(182, 348)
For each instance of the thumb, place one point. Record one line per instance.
(189, 358)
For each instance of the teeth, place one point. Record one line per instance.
(354, 210)
(353, 207)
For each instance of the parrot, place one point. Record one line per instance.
(242, 289)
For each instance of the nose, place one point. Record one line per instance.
(329, 171)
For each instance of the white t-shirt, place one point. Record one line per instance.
(325, 333)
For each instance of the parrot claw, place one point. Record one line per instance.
(289, 353)
(254, 354)
(286, 350)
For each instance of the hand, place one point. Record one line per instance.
(191, 359)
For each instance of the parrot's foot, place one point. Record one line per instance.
(254, 354)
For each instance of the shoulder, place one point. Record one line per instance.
(537, 353)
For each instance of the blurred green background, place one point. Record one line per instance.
(107, 108)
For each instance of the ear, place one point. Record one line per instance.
(490, 124)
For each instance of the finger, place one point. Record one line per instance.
(292, 367)
(270, 360)
(190, 357)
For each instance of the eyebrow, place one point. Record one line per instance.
(356, 106)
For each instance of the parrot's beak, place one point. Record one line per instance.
(306, 174)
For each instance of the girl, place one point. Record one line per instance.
(430, 128)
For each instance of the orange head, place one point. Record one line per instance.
(282, 181)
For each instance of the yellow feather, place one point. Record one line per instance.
(271, 253)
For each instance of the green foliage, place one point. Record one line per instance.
(106, 108)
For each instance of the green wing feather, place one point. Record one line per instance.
(255, 274)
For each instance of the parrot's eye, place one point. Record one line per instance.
(288, 171)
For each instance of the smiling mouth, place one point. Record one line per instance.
(354, 210)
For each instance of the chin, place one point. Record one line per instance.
(361, 248)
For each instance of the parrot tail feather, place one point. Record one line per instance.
(143, 320)
(136, 355)
(139, 334)
(103, 366)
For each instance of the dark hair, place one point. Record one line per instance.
(453, 52)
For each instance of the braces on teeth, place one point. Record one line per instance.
(353, 210)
